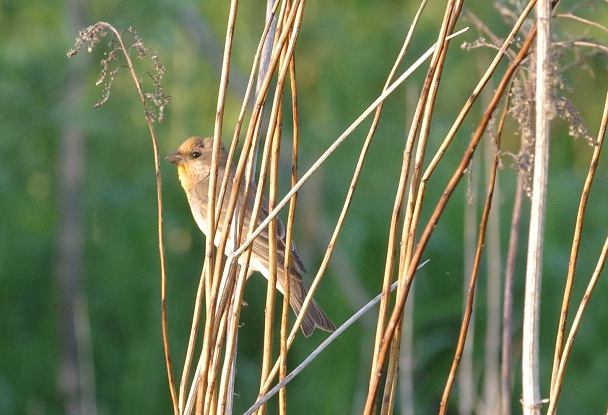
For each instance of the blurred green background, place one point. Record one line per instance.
(343, 56)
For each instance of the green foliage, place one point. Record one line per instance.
(342, 58)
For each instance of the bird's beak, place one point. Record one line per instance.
(175, 158)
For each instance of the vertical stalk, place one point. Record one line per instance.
(531, 400)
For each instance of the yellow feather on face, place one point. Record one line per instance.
(181, 173)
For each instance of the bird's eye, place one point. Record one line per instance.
(196, 154)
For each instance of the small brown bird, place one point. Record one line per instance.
(193, 161)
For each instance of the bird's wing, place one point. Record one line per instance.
(260, 244)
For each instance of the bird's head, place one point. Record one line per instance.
(193, 160)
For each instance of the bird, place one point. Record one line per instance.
(193, 161)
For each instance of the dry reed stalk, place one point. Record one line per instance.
(562, 349)
(491, 387)
(391, 382)
(475, 267)
(531, 399)
(91, 37)
(283, 346)
(574, 250)
(502, 87)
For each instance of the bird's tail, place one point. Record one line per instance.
(315, 316)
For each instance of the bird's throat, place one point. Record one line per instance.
(183, 176)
